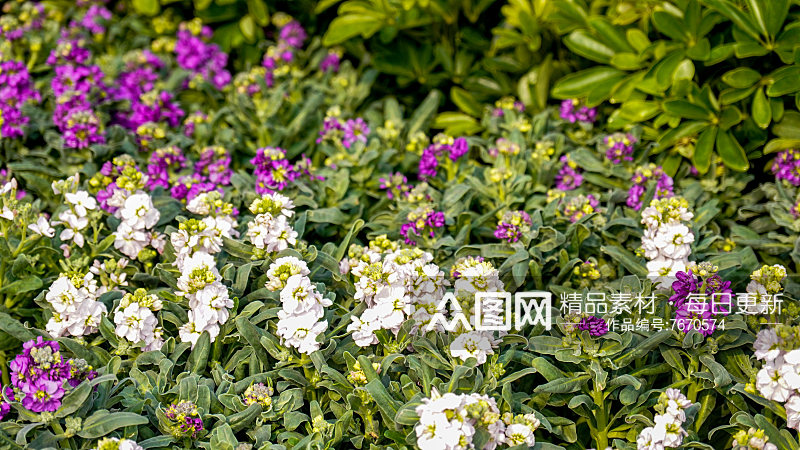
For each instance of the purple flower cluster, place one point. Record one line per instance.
(786, 166)
(347, 133)
(185, 418)
(153, 106)
(273, 170)
(512, 226)
(429, 161)
(162, 163)
(95, 19)
(569, 177)
(573, 111)
(697, 312)
(396, 185)
(594, 325)
(619, 147)
(16, 88)
(69, 50)
(139, 76)
(214, 165)
(205, 60)
(75, 86)
(331, 61)
(38, 375)
(187, 187)
(421, 221)
(640, 180)
(290, 38)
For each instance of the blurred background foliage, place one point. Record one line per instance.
(708, 80)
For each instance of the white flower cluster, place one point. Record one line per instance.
(9, 191)
(209, 303)
(779, 377)
(134, 233)
(136, 321)
(303, 306)
(270, 229)
(76, 311)
(110, 273)
(667, 240)
(474, 275)
(195, 243)
(75, 218)
(394, 284)
(667, 430)
(450, 421)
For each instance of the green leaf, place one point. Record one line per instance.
(147, 7)
(102, 422)
(74, 400)
(641, 349)
(762, 112)
(564, 385)
(731, 152)
(386, 404)
(626, 258)
(466, 102)
(579, 84)
(259, 12)
(583, 44)
(248, 26)
(741, 77)
(704, 148)
(721, 376)
(198, 358)
(348, 26)
(688, 110)
(424, 112)
(12, 326)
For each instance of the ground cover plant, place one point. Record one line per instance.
(218, 241)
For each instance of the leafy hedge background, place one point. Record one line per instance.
(708, 89)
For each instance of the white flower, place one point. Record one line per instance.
(81, 202)
(213, 303)
(199, 205)
(198, 271)
(139, 212)
(671, 241)
(771, 383)
(364, 327)
(129, 240)
(134, 322)
(767, 345)
(7, 213)
(283, 268)
(299, 296)
(63, 295)
(281, 235)
(392, 304)
(518, 433)
(667, 429)
(301, 330)
(792, 406)
(472, 344)
(677, 404)
(645, 441)
(42, 227)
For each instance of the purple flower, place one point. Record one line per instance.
(697, 316)
(272, 170)
(396, 185)
(42, 395)
(82, 130)
(594, 325)
(185, 419)
(203, 59)
(330, 62)
(162, 162)
(459, 148)
(786, 166)
(95, 19)
(619, 147)
(214, 165)
(572, 111)
(641, 178)
(512, 226)
(569, 177)
(422, 221)
(331, 130)
(580, 206)
(293, 34)
(355, 130)
(684, 285)
(16, 89)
